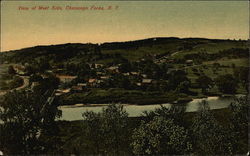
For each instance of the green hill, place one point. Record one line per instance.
(131, 50)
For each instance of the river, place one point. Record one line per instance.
(71, 113)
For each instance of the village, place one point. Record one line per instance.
(103, 76)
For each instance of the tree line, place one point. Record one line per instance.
(29, 127)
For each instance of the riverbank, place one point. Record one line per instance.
(101, 96)
(87, 105)
(118, 95)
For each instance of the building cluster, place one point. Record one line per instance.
(102, 76)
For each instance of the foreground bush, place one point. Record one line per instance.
(160, 136)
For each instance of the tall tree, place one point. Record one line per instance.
(241, 74)
(204, 82)
(114, 124)
(106, 131)
(176, 77)
(92, 133)
(226, 84)
(239, 123)
(25, 116)
(210, 137)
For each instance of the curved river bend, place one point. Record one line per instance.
(71, 113)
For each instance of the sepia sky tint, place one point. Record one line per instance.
(125, 21)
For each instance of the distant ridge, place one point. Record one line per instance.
(110, 52)
(145, 41)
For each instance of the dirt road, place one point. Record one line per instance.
(25, 84)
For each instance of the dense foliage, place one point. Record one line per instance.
(226, 83)
(210, 137)
(160, 136)
(111, 132)
(24, 116)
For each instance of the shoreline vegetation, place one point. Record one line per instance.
(99, 132)
(219, 119)
(98, 97)
(129, 104)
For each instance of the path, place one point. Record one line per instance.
(25, 79)
(25, 84)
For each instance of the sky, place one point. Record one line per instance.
(125, 21)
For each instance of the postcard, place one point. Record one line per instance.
(124, 77)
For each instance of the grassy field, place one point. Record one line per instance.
(244, 62)
(211, 48)
(137, 53)
(207, 68)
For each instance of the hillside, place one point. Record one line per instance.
(156, 48)
(149, 71)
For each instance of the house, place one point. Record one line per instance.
(99, 73)
(59, 70)
(66, 78)
(144, 75)
(98, 65)
(62, 91)
(82, 84)
(189, 62)
(134, 73)
(58, 94)
(76, 88)
(99, 81)
(49, 71)
(138, 84)
(113, 69)
(95, 65)
(92, 80)
(126, 74)
(147, 81)
(105, 77)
